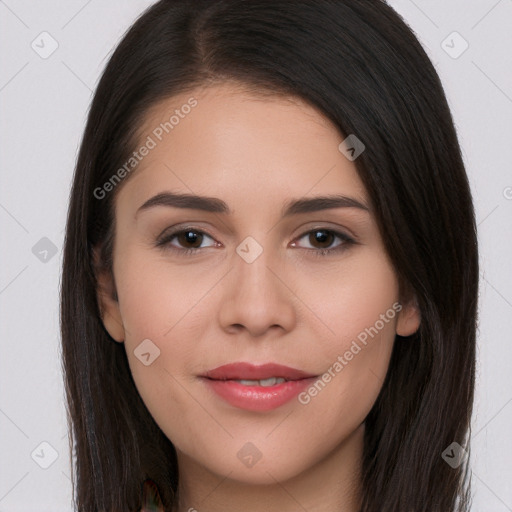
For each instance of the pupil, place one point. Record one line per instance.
(320, 237)
(191, 237)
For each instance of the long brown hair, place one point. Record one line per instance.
(360, 64)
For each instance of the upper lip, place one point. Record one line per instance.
(249, 371)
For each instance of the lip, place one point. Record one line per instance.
(249, 371)
(222, 381)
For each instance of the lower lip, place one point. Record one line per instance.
(258, 398)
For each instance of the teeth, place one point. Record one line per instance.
(272, 381)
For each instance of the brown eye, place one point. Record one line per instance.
(186, 240)
(322, 237)
(190, 237)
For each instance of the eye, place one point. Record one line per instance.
(325, 238)
(189, 239)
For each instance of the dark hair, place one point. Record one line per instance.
(361, 66)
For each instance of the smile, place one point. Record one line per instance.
(257, 388)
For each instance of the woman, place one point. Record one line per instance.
(270, 272)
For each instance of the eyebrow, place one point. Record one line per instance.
(214, 205)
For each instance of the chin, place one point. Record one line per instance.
(266, 471)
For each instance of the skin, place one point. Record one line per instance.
(287, 306)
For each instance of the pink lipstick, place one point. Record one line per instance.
(257, 388)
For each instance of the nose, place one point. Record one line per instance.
(257, 296)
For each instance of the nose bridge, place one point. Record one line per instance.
(252, 263)
(256, 297)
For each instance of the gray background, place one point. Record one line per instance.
(43, 102)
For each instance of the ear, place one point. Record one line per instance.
(409, 318)
(108, 302)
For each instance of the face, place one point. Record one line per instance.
(261, 279)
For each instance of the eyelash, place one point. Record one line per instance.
(164, 242)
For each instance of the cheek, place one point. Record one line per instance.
(157, 295)
(351, 298)
(162, 303)
(360, 308)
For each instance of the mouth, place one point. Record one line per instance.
(251, 373)
(257, 388)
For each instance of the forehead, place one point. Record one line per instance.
(228, 142)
